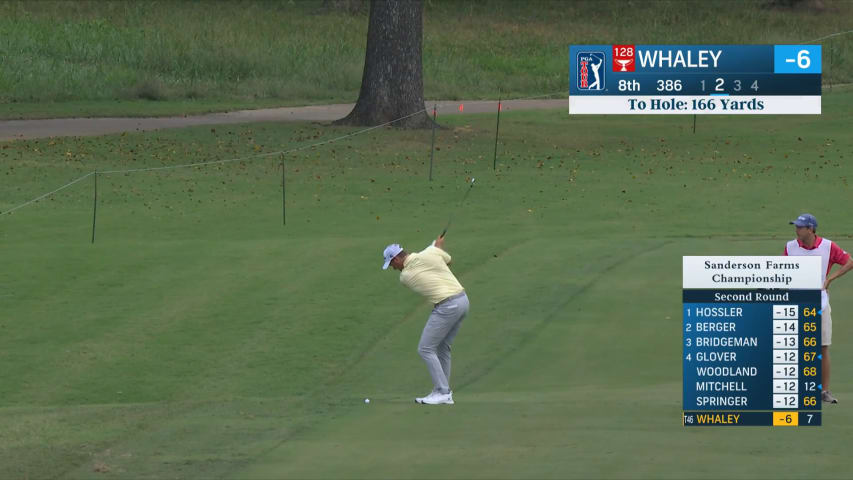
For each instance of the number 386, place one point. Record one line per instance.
(669, 85)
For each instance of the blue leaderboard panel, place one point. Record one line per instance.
(751, 341)
(694, 79)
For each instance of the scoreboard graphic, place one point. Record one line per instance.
(751, 341)
(695, 79)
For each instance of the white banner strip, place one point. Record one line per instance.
(698, 104)
(752, 272)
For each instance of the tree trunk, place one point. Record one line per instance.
(392, 85)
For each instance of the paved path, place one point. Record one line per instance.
(65, 127)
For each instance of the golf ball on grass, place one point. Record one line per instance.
(366, 400)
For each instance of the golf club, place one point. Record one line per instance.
(449, 220)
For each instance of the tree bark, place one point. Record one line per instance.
(392, 85)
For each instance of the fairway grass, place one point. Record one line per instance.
(199, 337)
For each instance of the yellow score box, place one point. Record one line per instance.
(785, 419)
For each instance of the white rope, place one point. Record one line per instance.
(830, 36)
(260, 155)
(48, 193)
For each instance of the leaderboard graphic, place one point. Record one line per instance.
(751, 341)
(694, 79)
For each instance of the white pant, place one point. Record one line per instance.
(437, 338)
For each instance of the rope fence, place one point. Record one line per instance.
(436, 107)
(200, 164)
(48, 193)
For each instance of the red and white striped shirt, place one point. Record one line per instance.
(828, 251)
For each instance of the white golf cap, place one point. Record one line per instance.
(390, 252)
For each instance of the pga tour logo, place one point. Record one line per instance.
(590, 71)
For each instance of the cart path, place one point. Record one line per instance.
(80, 127)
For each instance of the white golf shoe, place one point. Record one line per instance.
(436, 398)
(421, 399)
(827, 397)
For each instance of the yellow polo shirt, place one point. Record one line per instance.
(427, 273)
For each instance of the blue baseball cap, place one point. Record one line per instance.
(390, 252)
(805, 220)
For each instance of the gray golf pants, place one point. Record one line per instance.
(437, 338)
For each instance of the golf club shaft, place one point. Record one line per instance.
(450, 219)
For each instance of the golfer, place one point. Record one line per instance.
(428, 274)
(808, 243)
